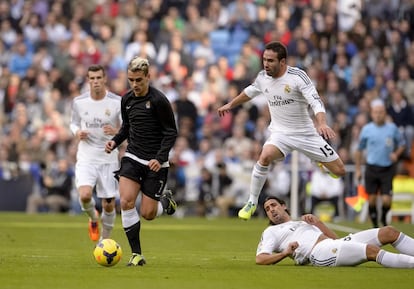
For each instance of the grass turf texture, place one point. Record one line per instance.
(54, 251)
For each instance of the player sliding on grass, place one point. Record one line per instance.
(310, 241)
(290, 93)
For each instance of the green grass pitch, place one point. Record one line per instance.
(54, 251)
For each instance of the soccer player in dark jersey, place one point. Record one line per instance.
(148, 124)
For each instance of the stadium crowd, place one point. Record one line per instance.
(202, 54)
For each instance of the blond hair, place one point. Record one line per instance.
(139, 64)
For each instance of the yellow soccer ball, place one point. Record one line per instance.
(107, 252)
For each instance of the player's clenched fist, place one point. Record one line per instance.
(109, 146)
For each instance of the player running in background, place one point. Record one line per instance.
(96, 118)
(311, 241)
(290, 93)
(150, 128)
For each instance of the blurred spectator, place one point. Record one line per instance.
(261, 24)
(204, 50)
(20, 60)
(324, 188)
(57, 182)
(250, 59)
(8, 34)
(197, 26)
(336, 97)
(406, 84)
(89, 52)
(349, 11)
(206, 197)
(140, 46)
(240, 172)
(30, 24)
(238, 142)
(279, 182)
(402, 115)
(55, 30)
(8, 169)
(242, 13)
(126, 21)
(11, 91)
(221, 184)
(217, 13)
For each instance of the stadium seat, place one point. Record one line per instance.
(240, 36)
(233, 52)
(219, 40)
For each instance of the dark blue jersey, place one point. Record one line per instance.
(148, 124)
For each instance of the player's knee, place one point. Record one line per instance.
(148, 214)
(108, 207)
(268, 156)
(388, 235)
(340, 171)
(127, 204)
(85, 194)
(372, 252)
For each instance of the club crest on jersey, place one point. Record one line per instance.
(287, 88)
(107, 112)
(148, 105)
(334, 250)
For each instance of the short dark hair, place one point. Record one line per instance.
(96, 67)
(277, 47)
(280, 201)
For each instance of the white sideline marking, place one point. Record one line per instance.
(342, 228)
(36, 256)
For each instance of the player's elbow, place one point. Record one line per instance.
(261, 260)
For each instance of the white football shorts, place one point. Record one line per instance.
(339, 252)
(313, 146)
(101, 175)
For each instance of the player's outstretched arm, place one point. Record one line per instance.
(240, 99)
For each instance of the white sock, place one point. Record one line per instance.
(129, 217)
(108, 223)
(392, 260)
(89, 209)
(404, 244)
(259, 177)
(160, 209)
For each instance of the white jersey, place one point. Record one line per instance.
(277, 238)
(91, 115)
(289, 98)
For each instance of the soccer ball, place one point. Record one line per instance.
(107, 252)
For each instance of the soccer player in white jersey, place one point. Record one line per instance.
(96, 118)
(290, 93)
(310, 241)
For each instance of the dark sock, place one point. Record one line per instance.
(385, 210)
(373, 215)
(133, 237)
